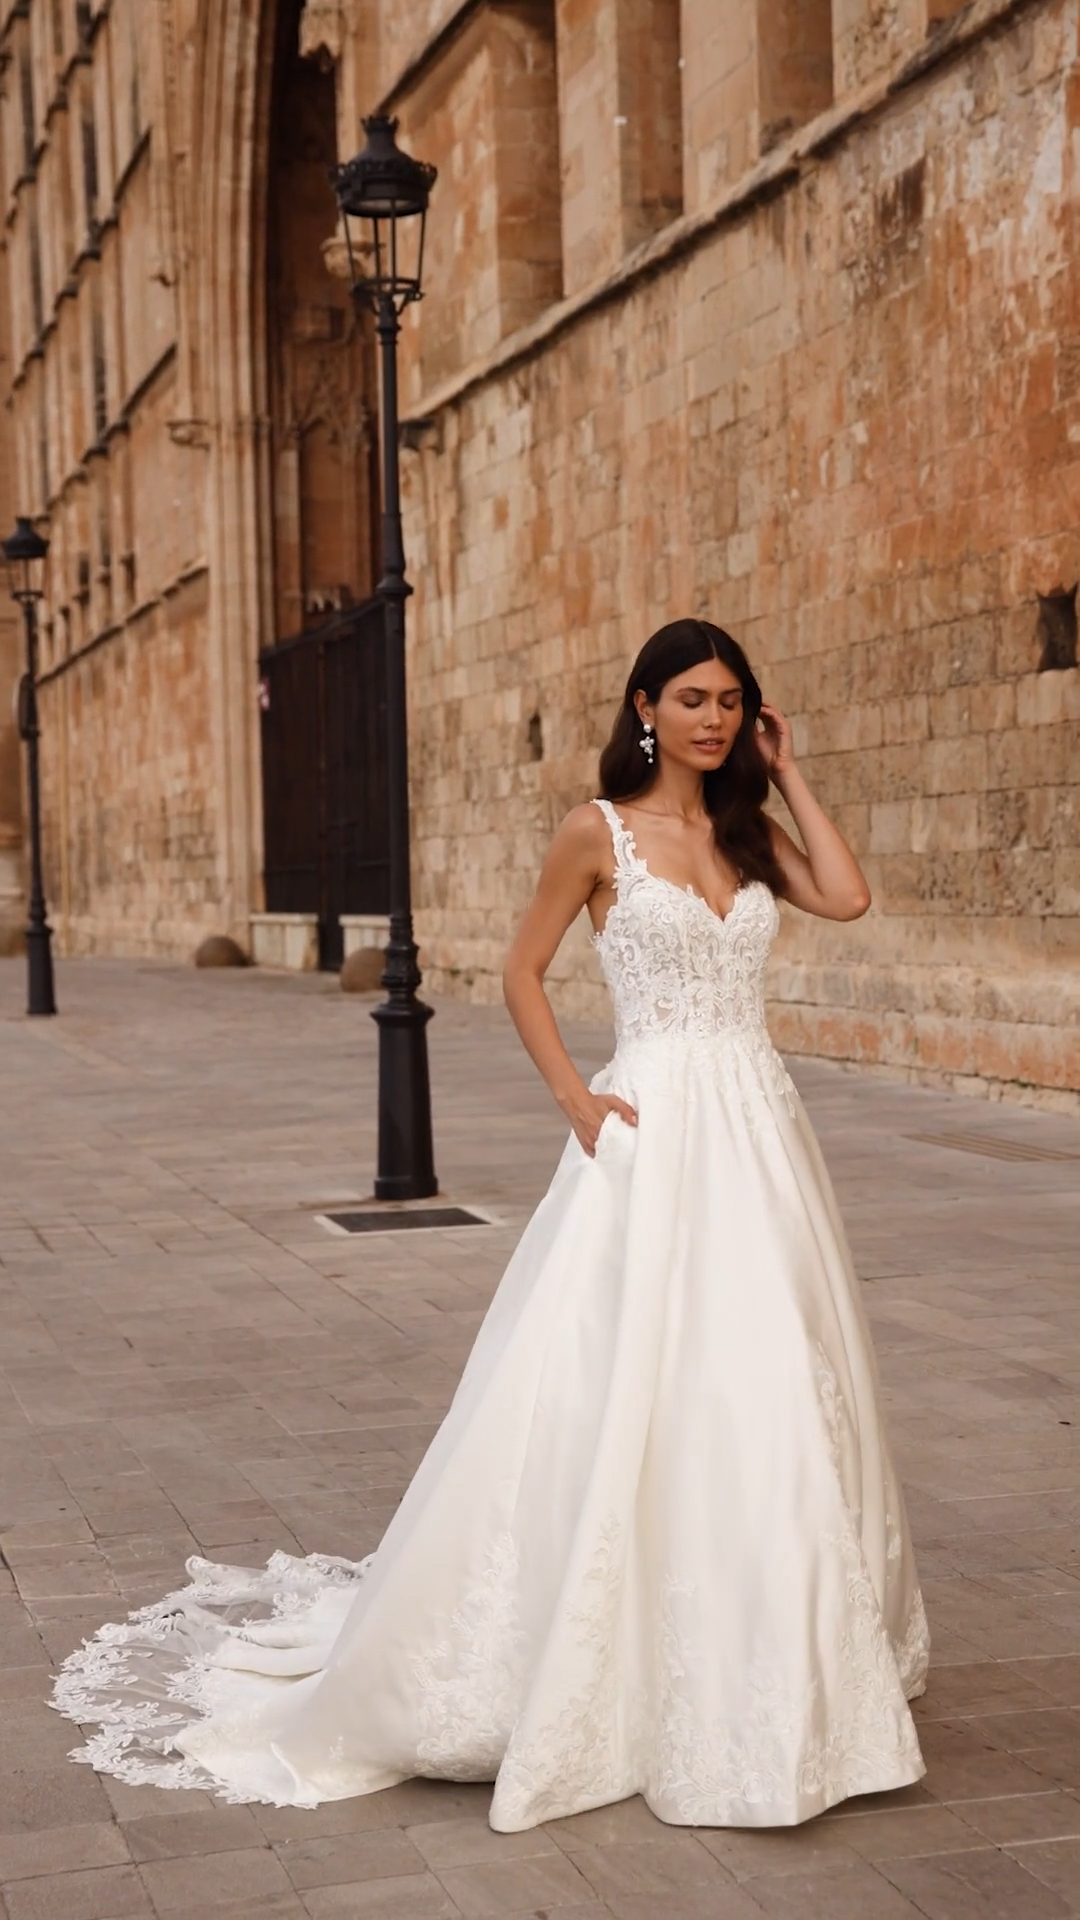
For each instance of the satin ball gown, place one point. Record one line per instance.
(658, 1545)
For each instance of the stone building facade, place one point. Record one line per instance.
(765, 309)
(189, 410)
(12, 906)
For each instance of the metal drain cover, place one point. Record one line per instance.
(991, 1148)
(391, 1220)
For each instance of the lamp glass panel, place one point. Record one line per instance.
(25, 553)
(26, 578)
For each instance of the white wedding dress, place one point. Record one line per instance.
(658, 1545)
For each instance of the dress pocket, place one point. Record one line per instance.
(616, 1137)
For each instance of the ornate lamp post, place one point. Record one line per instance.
(383, 197)
(25, 553)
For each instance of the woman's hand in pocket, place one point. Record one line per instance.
(588, 1112)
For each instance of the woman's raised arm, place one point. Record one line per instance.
(826, 880)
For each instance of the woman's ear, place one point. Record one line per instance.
(642, 707)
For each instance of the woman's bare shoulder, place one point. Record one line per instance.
(582, 834)
(585, 822)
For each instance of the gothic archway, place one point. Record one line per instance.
(323, 673)
(274, 384)
(224, 403)
(320, 362)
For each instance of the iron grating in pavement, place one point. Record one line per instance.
(380, 1220)
(990, 1147)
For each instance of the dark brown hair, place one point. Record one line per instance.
(735, 793)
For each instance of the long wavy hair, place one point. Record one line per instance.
(735, 793)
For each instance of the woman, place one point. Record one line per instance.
(657, 1545)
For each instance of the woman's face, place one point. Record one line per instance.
(697, 716)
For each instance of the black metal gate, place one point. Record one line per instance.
(323, 701)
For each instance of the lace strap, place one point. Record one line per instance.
(621, 839)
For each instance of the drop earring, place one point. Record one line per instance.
(647, 743)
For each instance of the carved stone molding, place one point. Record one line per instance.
(322, 32)
(189, 433)
(321, 390)
(335, 253)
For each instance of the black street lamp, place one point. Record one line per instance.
(383, 198)
(25, 553)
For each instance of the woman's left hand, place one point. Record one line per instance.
(774, 742)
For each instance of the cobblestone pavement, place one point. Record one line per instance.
(192, 1364)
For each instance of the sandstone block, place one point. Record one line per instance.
(288, 940)
(1044, 699)
(891, 827)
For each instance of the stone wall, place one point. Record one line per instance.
(12, 904)
(137, 703)
(841, 417)
(96, 379)
(742, 307)
(188, 412)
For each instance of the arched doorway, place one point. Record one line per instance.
(321, 678)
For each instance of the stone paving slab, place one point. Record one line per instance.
(191, 1363)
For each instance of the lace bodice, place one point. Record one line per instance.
(672, 965)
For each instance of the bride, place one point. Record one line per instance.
(657, 1546)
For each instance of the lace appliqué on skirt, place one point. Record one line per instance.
(143, 1681)
(583, 1755)
(470, 1681)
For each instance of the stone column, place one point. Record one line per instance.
(619, 114)
(230, 147)
(12, 909)
(752, 71)
(485, 113)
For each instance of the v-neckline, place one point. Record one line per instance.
(689, 891)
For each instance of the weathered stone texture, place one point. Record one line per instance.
(121, 709)
(844, 426)
(870, 35)
(12, 912)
